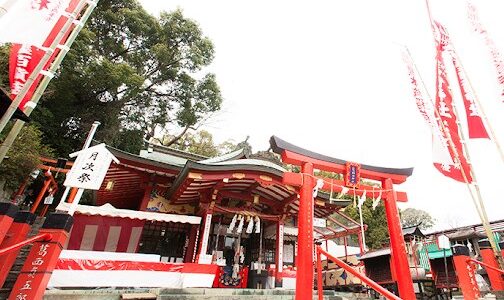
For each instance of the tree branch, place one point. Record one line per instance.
(176, 138)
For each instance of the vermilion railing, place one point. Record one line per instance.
(40, 237)
(375, 286)
(470, 260)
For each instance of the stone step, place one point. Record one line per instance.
(239, 297)
(231, 292)
(108, 296)
(186, 294)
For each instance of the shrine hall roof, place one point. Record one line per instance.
(180, 158)
(230, 176)
(241, 180)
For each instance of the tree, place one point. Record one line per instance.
(377, 235)
(135, 74)
(416, 217)
(202, 143)
(129, 140)
(23, 157)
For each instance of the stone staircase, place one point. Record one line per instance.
(232, 294)
(187, 294)
(18, 264)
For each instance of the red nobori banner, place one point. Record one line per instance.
(448, 122)
(24, 58)
(475, 124)
(440, 148)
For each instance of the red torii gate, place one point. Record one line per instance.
(306, 180)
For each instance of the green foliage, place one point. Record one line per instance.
(4, 67)
(329, 175)
(377, 232)
(23, 157)
(135, 74)
(414, 217)
(129, 140)
(227, 147)
(202, 143)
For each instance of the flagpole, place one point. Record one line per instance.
(18, 125)
(480, 206)
(36, 71)
(486, 223)
(493, 137)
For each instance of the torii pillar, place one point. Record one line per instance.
(305, 180)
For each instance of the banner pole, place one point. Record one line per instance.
(36, 71)
(485, 222)
(78, 196)
(18, 125)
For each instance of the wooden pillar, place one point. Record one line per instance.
(304, 274)
(345, 242)
(17, 233)
(20, 191)
(279, 254)
(146, 196)
(397, 245)
(72, 194)
(361, 245)
(41, 194)
(465, 273)
(41, 261)
(7, 213)
(191, 247)
(488, 257)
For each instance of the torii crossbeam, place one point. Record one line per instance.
(305, 180)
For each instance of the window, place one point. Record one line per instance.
(167, 239)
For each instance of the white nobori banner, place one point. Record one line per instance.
(90, 167)
(29, 21)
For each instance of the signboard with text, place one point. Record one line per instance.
(352, 174)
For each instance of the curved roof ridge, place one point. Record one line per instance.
(233, 155)
(251, 162)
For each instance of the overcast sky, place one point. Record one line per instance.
(328, 76)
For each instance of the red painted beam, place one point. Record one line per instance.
(264, 179)
(289, 157)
